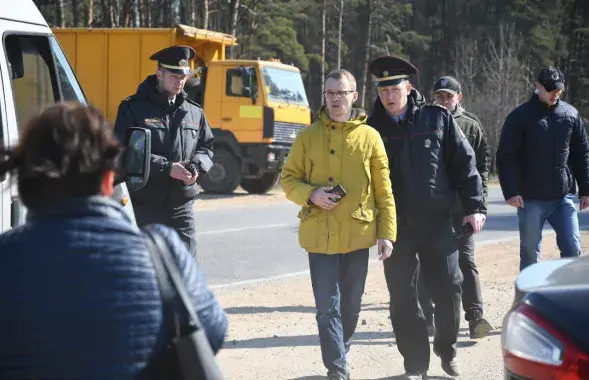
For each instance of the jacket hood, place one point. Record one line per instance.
(357, 117)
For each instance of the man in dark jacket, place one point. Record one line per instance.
(448, 93)
(543, 149)
(181, 143)
(430, 161)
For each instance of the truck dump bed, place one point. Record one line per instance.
(111, 62)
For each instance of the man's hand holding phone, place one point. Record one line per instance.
(323, 198)
(327, 197)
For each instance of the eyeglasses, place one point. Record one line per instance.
(338, 94)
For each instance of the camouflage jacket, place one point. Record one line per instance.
(473, 130)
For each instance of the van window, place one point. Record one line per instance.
(70, 88)
(33, 75)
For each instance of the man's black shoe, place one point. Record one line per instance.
(479, 328)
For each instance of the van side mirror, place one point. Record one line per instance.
(137, 157)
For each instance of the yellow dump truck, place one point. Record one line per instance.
(256, 108)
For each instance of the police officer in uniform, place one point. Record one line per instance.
(430, 162)
(181, 143)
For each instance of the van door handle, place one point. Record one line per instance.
(227, 119)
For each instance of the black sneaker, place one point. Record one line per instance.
(479, 328)
(451, 367)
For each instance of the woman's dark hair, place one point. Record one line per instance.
(63, 153)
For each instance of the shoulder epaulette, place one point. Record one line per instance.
(192, 102)
(131, 97)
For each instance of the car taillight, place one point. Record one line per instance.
(534, 349)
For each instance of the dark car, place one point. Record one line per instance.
(546, 333)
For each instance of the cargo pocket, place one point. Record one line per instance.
(309, 227)
(363, 227)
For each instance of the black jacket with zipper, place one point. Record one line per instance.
(179, 133)
(542, 151)
(430, 162)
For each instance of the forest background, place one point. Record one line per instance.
(495, 48)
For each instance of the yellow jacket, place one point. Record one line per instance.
(351, 154)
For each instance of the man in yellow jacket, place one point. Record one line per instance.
(340, 151)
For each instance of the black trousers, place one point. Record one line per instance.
(438, 259)
(472, 297)
(179, 217)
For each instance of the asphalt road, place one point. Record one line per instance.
(257, 241)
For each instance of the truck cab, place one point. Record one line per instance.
(34, 74)
(257, 108)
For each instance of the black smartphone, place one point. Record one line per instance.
(339, 190)
(467, 229)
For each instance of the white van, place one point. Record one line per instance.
(34, 73)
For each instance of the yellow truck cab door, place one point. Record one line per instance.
(241, 110)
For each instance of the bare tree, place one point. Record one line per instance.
(339, 35)
(323, 38)
(59, 13)
(89, 16)
(497, 82)
(367, 43)
(205, 14)
(234, 10)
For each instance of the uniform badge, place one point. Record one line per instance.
(147, 121)
(385, 73)
(183, 63)
(427, 143)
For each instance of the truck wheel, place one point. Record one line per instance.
(224, 176)
(261, 185)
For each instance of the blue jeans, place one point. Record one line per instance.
(338, 284)
(561, 214)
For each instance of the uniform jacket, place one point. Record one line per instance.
(80, 298)
(472, 129)
(542, 150)
(430, 161)
(350, 154)
(179, 133)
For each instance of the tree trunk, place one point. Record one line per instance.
(75, 13)
(89, 14)
(126, 14)
(175, 12)
(339, 35)
(323, 38)
(366, 54)
(233, 30)
(205, 14)
(59, 13)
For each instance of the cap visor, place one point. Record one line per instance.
(446, 90)
(390, 82)
(186, 71)
(554, 86)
